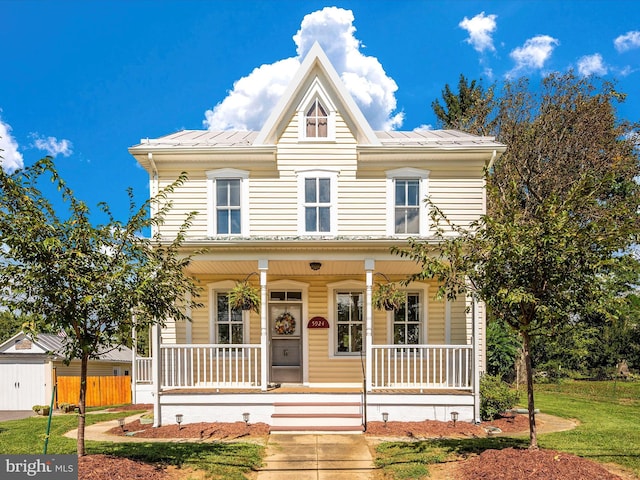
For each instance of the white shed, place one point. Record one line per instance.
(27, 368)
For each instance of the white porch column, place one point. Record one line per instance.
(475, 318)
(369, 266)
(263, 266)
(134, 360)
(156, 365)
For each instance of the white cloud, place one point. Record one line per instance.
(423, 127)
(53, 146)
(252, 98)
(11, 159)
(628, 41)
(533, 54)
(248, 105)
(592, 65)
(480, 29)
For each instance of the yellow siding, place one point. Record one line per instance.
(460, 199)
(323, 366)
(436, 326)
(460, 335)
(361, 201)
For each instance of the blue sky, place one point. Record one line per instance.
(83, 81)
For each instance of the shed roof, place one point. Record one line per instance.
(51, 344)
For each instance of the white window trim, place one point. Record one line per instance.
(223, 287)
(227, 173)
(332, 288)
(407, 174)
(333, 209)
(316, 92)
(423, 290)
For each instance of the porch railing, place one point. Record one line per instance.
(143, 370)
(422, 366)
(211, 365)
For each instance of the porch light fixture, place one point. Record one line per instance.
(385, 418)
(121, 423)
(179, 420)
(245, 417)
(454, 417)
(315, 266)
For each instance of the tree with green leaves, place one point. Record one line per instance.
(89, 283)
(562, 203)
(10, 324)
(470, 110)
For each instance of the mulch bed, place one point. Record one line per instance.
(505, 464)
(514, 464)
(202, 431)
(106, 467)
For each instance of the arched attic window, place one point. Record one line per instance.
(317, 121)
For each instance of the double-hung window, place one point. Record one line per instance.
(317, 202)
(406, 321)
(228, 206)
(407, 206)
(317, 205)
(228, 210)
(229, 324)
(349, 321)
(406, 210)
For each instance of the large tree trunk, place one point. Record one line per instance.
(533, 438)
(82, 402)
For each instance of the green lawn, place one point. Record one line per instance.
(609, 430)
(609, 415)
(219, 460)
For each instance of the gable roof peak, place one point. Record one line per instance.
(316, 58)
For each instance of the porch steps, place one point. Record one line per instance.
(307, 417)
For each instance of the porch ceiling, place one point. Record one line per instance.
(291, 268)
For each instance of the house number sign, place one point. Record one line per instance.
(318, 322)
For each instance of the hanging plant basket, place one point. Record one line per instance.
(245, 296)
(386, 296)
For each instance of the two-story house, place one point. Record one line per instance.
(307, 209)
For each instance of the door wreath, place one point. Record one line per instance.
(285, 324)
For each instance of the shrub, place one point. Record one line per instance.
(41, 409)
(495, 397)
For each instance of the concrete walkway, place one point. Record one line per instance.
(15, 414)
(316, 457)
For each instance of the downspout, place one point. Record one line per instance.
(153, 186)
(493, 159)
(134, 361)
(156, 366)
(156, 361)
(476, 361)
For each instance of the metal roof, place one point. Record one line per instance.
(245, 138)
(203, 138)
(434, 138)
(55, 344)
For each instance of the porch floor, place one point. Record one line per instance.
(312, 390)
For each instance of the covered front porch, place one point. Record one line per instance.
(325, 371)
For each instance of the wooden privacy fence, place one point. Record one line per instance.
(101, 391)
